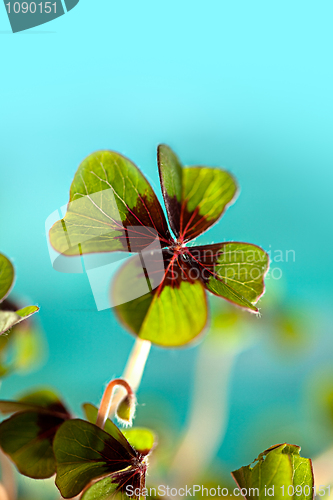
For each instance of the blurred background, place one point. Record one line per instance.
(242, 85)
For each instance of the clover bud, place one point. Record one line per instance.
(126, 409)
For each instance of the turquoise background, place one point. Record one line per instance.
(242, 85)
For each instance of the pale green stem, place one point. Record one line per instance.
(207, 423)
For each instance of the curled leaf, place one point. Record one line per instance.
(126, 409)
(280, 472)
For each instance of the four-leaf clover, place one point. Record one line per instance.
(160, 294)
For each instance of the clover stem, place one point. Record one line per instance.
(129, 382)
(106, 402)
(8, 479)
(142, 487)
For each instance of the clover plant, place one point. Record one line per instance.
(160, 296)
(20, 341)
(8, 317)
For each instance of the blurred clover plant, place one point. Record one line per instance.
(279, 472)
(21, 343)
(9, 318)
